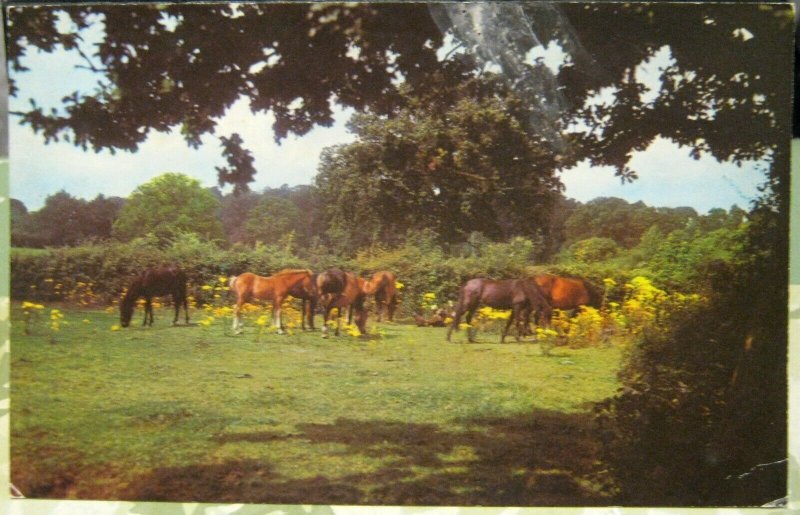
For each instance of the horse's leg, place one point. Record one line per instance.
(361, 315)
(456, 321)
(545, 315)
(237, 325)
(303, 314)
(390, 308)
(312, 307)
(147, 308)
(325, 316)
(468, 321)
(276, 313)
(527, 322)
(361, 320)
(177, 301)
(186, 308)
(379, 306)
(338, 320)
(350, 314)
(523, 323)
(519, 319)
(508, 324)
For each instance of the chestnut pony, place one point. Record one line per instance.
(519, 295)
(155, 282)
(566, 293)
(275, 288)
(339, 289)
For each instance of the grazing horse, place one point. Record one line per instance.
(518, 295)
(382, 286)
(155, 282)
(566, 293)
(274, 288)
(339, 289)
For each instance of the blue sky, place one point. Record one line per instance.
(668, 176)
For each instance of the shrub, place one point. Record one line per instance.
(595, 249)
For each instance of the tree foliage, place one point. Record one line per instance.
(164, 67)
(63, 220)
(271, 220)
(167, 205)
(182, 66)
(456, 163)
(621, 221)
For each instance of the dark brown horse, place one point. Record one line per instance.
(382, 286)
(155, 282)
(306, 290)
(339, 289)
(519, 295)
(274, 288)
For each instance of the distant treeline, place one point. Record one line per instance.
(301, 220)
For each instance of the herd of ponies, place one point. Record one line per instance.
(535, 296)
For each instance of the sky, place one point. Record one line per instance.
(668, 176)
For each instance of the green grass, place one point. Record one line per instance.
(194, 414)
(28, 251)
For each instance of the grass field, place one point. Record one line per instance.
(194, 414)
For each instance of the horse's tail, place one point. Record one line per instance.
(232, 282)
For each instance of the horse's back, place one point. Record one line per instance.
(163, 280)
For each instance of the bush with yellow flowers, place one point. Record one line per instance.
(56, 320)
(643, 308)
(30, 314)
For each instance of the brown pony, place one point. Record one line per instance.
(339, 289)
(567, 293)
(382, 285)
(155, 282)
(519, 295)
(274, 288)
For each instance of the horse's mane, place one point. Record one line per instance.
(287, 271)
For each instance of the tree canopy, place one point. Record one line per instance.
(455, 162)
(167, 205)
(63, 220)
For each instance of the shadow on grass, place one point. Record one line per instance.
(541, 459)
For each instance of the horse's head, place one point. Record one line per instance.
(126, 311)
